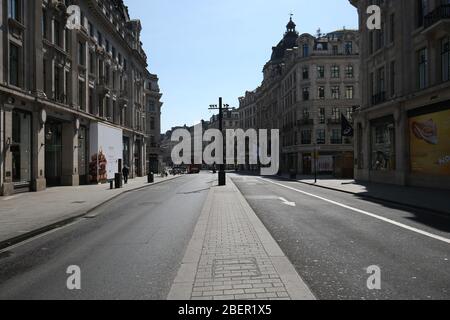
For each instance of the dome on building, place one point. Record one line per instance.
(289, 41)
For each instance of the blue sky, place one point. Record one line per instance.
(203, 49)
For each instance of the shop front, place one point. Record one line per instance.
(429, 146)
(382, 150)
(53, 152)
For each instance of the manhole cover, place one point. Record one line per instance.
(239, 267)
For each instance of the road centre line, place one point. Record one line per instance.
(398, 224)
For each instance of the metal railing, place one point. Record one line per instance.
(440, 13)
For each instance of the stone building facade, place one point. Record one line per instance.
(308, 83)
(60, 89)
(403, 126)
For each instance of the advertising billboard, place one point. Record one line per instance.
(106, 149)
(430, 143)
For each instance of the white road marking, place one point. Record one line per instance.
(398, 224)
(291, 204)
(286, 202)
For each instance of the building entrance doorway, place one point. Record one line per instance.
(53, 153)
(21, 150)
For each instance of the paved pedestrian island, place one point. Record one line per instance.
(232, 256)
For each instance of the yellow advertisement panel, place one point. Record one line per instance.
(430, 143)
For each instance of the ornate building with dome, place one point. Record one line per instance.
(309, 82)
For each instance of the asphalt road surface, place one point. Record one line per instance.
(130, 248)
(332, 238)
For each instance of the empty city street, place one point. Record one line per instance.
(333, 237)
(130, 248)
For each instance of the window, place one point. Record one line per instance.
(44, 67)
(305, 94)
(305, 73)
(306, 137)
(349, 47)
(445, 59)
(321, 136)
(306, 114)
(91, 63)
(320, 72)
(335, 92)
(57, 33)
(14, 9)
(305, 50)
(349, 114)
(336, 136)
(392, 80)
(99, 38)
(423, 68)
(321, 115)
(152, 123)
(392, 27)
(371, 41)
(321, 92)
(349, 92)
(44, 24)
(14, 52)
(67, 40)
(381, 81)
(383, 146)
(81, 88)
(422, 10)
(335, 50)
(91, 30)
(81, 54)
(335, 115)
(380, 37)
(349, 71)
(57, 83)
(335, 72)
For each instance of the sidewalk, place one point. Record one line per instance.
(424, 198)
(25, 215)
(232, 256)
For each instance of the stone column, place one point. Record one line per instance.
(8, 186)
(131, 155)
(146, 158)
(38, 181)
(70, 175)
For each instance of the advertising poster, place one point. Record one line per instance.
(430, 143)
(106, 150)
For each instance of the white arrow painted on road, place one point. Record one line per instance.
(291, 204)
(286, 202)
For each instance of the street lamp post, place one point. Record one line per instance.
(221, 108)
